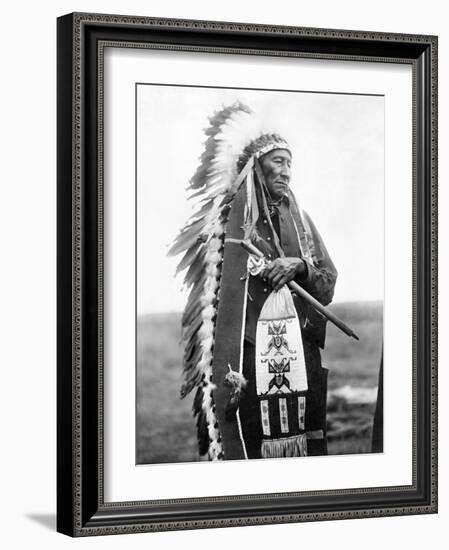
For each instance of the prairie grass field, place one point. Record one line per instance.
(166, 430)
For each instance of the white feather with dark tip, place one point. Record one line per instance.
(201, 243)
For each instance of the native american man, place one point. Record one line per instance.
(251, 346)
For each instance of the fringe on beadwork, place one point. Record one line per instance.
(285, 447)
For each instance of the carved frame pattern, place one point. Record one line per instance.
(81, 509)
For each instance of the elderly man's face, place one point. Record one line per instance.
(276, 167)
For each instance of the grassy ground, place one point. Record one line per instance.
(353, 365)
(165, 428)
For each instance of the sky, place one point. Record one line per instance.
(337, 142)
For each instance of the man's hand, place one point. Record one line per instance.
(283, 270)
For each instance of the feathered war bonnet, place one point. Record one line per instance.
(234, 139)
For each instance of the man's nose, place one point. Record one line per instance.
(286, 170)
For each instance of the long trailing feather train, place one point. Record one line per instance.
(234, 135)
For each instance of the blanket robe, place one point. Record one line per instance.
(319, 282)
(242, 437)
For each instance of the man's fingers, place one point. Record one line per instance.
(270, 267)
(270, 274)
(279, 281)
(282, 281)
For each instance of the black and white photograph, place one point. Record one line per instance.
(259, 273)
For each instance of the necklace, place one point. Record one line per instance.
(273, 206)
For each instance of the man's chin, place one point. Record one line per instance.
(279, 192)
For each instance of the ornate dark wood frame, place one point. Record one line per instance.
(81, 509)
